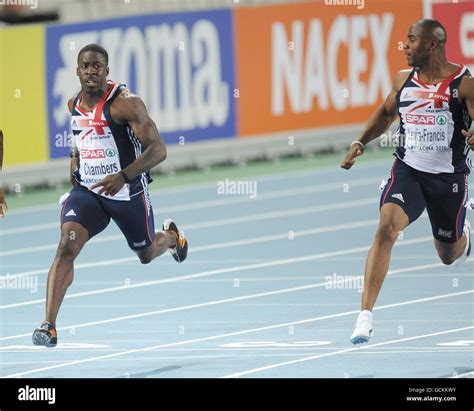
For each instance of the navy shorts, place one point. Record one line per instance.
(93, 212)
(444, 196)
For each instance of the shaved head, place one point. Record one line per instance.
(431, 29)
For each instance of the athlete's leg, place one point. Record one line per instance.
(135, 220)
(450, 252)
(162, 242)
(446, 196)
(82, 217)
(401, 203)
(392, 220)
(60, 276)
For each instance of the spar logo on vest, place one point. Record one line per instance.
(97, 153)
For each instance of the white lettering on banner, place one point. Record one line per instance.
(286, 67)
(380, 82)
(337, 35)
(133, 49)
(181, 87)
(204, 36)
(318, 77)
(466, 27)
(357, 61)
(314, 69)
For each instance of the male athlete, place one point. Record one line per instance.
(116, 143)
(435, 103)
(3, 203)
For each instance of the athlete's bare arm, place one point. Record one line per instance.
(3, 203)
(129, 108)
(73, 164)
(379, 122)
(466, 92)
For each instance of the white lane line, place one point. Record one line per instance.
(187, 307)
(282, 175)
(347, 350)
(382, 351)
(229, 200)
(241, 332)
(205, 273)
(212, 223)
(254, 217)
(464, 375)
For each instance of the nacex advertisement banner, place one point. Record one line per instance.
(318, 63)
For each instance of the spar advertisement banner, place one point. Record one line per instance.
(180, 64)
(316, 64)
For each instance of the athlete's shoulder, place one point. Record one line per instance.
(70, 102)
(466, 87)
(127, 105)
(401, 77)
(126, 96)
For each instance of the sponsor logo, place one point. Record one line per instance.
(441, 120)
(399, 197)
(445, 233)
(70, 213)
(110, 152)
(96, 153)
(97, 123)
(436, 96)
(420, 119)
(140, 244)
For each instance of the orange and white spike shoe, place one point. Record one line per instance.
(180, 251)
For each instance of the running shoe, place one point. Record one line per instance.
(180, 251)
(45, 335)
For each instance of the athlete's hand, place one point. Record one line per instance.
(355, 150)
(111, 184)
(3, 204)
(470, 138)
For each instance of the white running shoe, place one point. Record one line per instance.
(467, 250)
(363, 329)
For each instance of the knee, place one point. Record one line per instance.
(447, 258)
(387, 233)
(145, 258)
(68, 249)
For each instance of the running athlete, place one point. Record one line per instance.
(3, 203)
(435, 104)
(116, 143)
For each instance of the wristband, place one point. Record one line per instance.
(357, 142)
(124, 176)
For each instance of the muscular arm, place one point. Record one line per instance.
(130, 108)
(384, 116)
(378, 122)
